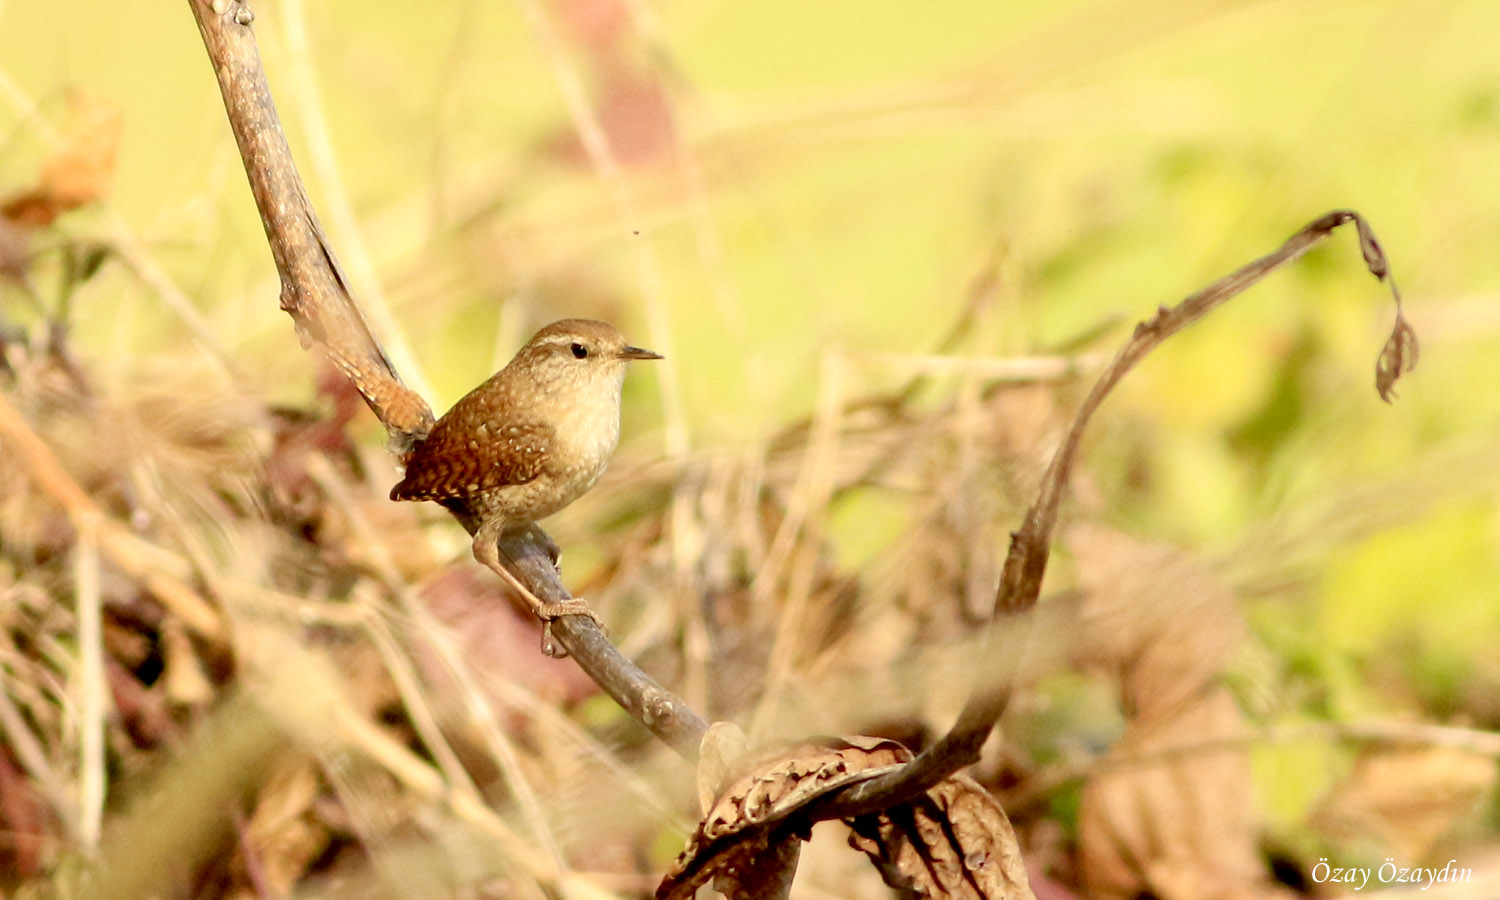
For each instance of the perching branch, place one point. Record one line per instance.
(1025, 564)
(315, 294)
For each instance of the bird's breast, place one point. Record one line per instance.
(588, 428)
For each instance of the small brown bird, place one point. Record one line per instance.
(529, 441)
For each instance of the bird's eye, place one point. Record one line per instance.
(580, 351)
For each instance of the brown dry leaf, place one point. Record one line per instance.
(1175, 824)
(29, 209)
(737, 832)
(24, 816)
(494, 637)
(760, 870)
(1155, 616)
(721, 754)
(1397, 357)
(1407, 799)
(282, 836)
(80, 169)
(187, 683)
(955, 842)
(14, 254)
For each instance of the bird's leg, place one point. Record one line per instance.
(487, 551)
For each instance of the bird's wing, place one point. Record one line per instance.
(455, 462)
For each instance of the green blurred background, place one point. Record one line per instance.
(796, 178)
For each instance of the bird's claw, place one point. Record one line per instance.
(549, 612)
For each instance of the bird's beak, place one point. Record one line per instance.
(638, 353)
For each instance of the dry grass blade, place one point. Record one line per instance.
(1397, 357)
(163, 572)
(92, 700)
(31, 756)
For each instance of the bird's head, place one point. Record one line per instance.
(578, 352)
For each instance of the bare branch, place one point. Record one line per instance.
(664, 713)
(313, 290)
(315, 294)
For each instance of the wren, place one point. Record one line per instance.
(527, 442)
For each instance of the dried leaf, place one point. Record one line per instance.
(187, 683)
(282, 838)
(955, 842)
(1155, 820)
(80, 169)
(1175, 825)
(29, 209)
(720, 755)
(741, 827)
(1406, 799)
(1154, 615)
(1397, 357)
(765, 874)
(1370, 248)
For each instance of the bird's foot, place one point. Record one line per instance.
(548, 612)
(486, 550)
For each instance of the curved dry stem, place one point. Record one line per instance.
(1030, 547)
